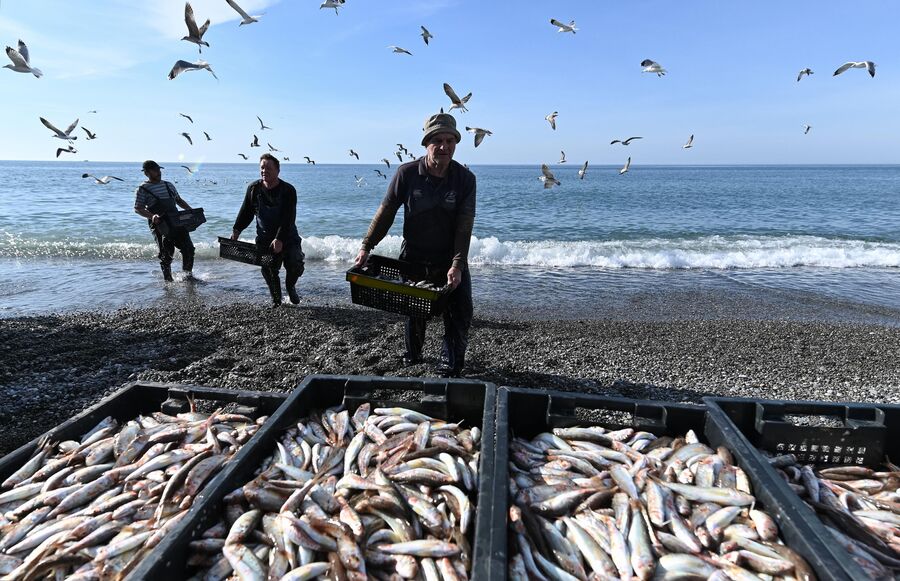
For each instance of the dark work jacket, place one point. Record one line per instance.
(275, 211)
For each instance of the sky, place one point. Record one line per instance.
(327, 82)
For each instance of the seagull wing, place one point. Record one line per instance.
(627, 141)
(89, 134)
(467, 97)
(190, 22)
(556, 22)
(647, 63)
(113, 178)
(204, 28)
(179, 67)
(479, 137)
(23, 50)
(546, 171)
(843, 68)
(583, 170)
(238, 9)
(16, 57)
(71, 128)
(870, 66)
(52, 128)
(451, 93)
(208, 138)
(800, 75)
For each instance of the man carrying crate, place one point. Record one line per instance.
(438, 199)
(274, 204)
(154, 199)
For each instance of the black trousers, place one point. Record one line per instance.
(293, 259)
(457, 320)
(177, 238)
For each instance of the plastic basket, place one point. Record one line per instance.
(246, 252)
(183, 220)
(380, 285)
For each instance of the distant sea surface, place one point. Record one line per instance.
(825, 232)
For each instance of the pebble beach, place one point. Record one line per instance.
(673, 347)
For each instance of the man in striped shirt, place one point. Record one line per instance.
(153, 200)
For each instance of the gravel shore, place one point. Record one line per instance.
(52, 367)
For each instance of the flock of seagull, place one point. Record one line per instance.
(21, 64)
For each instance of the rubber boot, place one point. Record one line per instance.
(167, 272)
(291, 284)
(274, 284)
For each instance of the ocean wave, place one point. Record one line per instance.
(707, 252)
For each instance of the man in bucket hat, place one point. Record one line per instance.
(153, 200)
(438, 199)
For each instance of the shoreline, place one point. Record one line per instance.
(53, 366)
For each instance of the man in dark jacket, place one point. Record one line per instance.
(153, 200)
(274, 204)
(438, 199)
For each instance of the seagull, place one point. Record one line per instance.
(255, 142)
(548, 178)
(354, 154)
(244, 155)
(332, 4)
(89, 134)
(20, 62)
(101, 181)
(625, 169)
(378, 171)
(310, 161)
(68, 149)
(188, 117)
(806, 129)
(188, 137)
(92, 111)
(457, 102)
(360, 181)
(272, 147)
(689, 144)
(411, 156)
(624, 141)
(551, 118)
(247, 19)
(562, 158)
(195, 34)
(868, 65)
(385, 160)
(570, 27)
(425, 34)
(806, 71)
(67, 134)
(399, 50)
(399, 155)
(479, 134)
(403, 149)
(181, 66)
(582, 171)
(189, 170)
(652, 67)
(285, 158)
(262, 125)
(208, 138)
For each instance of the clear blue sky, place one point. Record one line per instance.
(326, 83)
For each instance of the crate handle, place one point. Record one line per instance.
(850, 416)
(563, 410)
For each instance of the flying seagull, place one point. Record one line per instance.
(101, 181)
(181, 66)
(411, 156)
(262, 125)
(308, 160)
(68, 149)
(332, 4)
(624, 141)
(806, 71)
(403, 149)
(868, 65)
(479, 134)
(385, 160)
(582, 171)
(272, 147)
(562, 158)
(457, 102)
(354, 154)
(255, 142)
(208, 138)
(570, 27)
(551, 118)
(378, 171)
(652, 67)
(92, 111)
(399, 155)
(625, 169)
(689, 144)
(547, 177)
(286, 158)
(244, 155)
(247, 19)
(806, 129)
(399, 50)
(188, 117)
(194, 34)
(360, 181)
(188, 137)
(425, 34)
(189, 170)
(89, 134)
(66, 135)
(20, 60)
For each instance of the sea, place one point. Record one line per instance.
(812, 235)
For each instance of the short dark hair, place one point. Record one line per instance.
(271, 158)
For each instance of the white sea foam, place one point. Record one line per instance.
(707, 252)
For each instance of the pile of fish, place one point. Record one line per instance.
(93, 509)
(859, 506)
(383, 493)
(595, 504)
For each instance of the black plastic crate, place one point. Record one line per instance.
(527, 412)
(464, 400)
(182, 220)
(380, 284)
(820, 433)
(246, 252)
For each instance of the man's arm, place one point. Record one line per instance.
(245, 214)
(140, 207)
